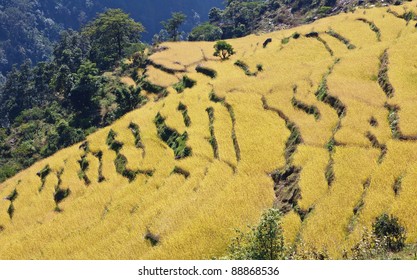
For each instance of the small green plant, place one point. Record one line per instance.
(11, 210)
(184, 83)
(242, 65)
(12, 196)
(408, 16)
(120, 162)
(112, 142)
(324, 10)
(285, 40)
(260, 67)
(134, 128)
(61, 194)
(184, 110)
(152, 238)
(43, 174)
(329, 173)
(99, 156)
(176, 141)
(389, 228)
(181, 171)
(223, 50)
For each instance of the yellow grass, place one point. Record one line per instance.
(128, 81)
(160, 78)
(195, 216)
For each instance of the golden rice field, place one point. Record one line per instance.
(345, 87)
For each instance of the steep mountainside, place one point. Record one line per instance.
(28, 28)
(320, 123)
(152, 12)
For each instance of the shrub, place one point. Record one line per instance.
(242, 65)
(389, 228)
(148, 86)
(206, 71)
(223, 50)
(263, 242)
(324, 10)
(205, 32)
(285, 40)
(10, 211)
(61, 194)
(136, 134)
(120, 163)
(184, 83)
(12, 196)
(112, 142)
(152, 238)
(176, 141)
(44, 172)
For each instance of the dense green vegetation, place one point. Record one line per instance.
(28, 29)
(111, 34)
(242, 17)
(205, 32)
(51, 105)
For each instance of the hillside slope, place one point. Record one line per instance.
(321, 124)
(28, 29)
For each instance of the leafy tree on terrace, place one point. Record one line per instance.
(223, 50)
(111, 33)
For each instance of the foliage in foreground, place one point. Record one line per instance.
(266, 242)
(263, 242)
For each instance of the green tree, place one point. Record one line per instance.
(268, 237)
(215, 15)
(205, 32)
(71, 50)
(223, 49)
(17, 91)
(62, 81)
(111, 33)
(173, 24)
(84, 95)
(263, 242)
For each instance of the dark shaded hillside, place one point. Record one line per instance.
(28, 29)
(151, 12)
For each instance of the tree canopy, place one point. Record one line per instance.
(111, 33)
(223, 49)
(205, 32)
(173, 24)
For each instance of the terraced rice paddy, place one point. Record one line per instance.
(325, 130)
